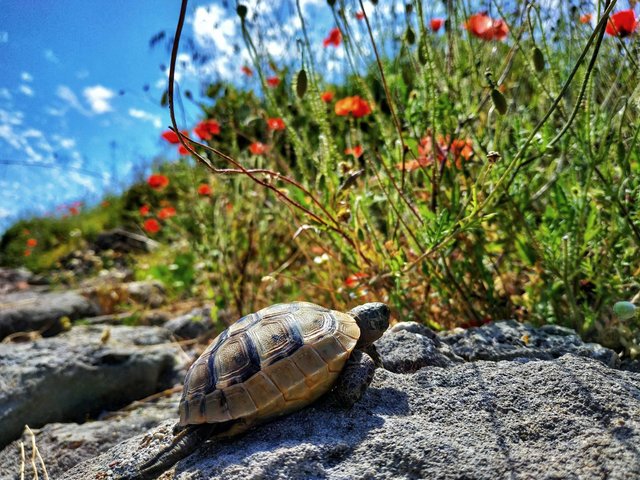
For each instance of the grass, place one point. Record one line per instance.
(454, 213)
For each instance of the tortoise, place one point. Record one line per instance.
(271, 363)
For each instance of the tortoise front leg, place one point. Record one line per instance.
(354, 379)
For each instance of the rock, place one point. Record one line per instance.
(80, 373)
(14, 279)
(147, 293)
(191, 325)
(568, 417)
(404, 352)
(64, 445)
(509, 340)
(112, 294)
(29, 311)
(123, 241)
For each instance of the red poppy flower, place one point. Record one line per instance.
(275, 124)
(258, 148)
(144, 210)
(355, 106)
(483, 26)
(157, 181)
(151, 225)
(166, 212)
(334, 38)
(622, 23)
(360, 15)
(436, 24)
(32, 242)
(206, 129)
(586, 18)
(74, 210)
(355, 151)
(247, 71)
(355, 279)
(172, 137)
(204, 189)
(27, 253)
(182, 150)
(327, 97)
(273, 82)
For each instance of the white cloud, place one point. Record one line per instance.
(54, 112)
(84, 180)
(65, 93)
(82, 74)
(26, 77)
(98, 98)
(26, 90)
(50, 56)
(5, 94)
(4, 213)
(146, 116)
(64, 142)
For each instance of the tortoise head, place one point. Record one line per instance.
(373, 320)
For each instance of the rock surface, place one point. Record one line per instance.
(191, 325)
(29, 311)
(566, 416)
(80, 373)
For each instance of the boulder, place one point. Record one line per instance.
(64, 445)
(30, 311)
(568, 417)
(122, 241)
(80, 373)
(510, 340)
(191, 325)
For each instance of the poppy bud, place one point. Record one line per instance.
(538, 59)
(422, 51)
(331, 3)
(499, 101)
(301, 83)
(411, 37)
(242, 11)
(624, 310)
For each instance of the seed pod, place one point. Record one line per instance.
(301, 83)
(538, 59)
(624, 310)
(410, 36)
(422, 51)
(241, 11)
(499, 101)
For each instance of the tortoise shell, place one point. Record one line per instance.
(268, 363)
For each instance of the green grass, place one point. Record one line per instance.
(537, 220)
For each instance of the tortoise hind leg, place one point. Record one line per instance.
(354, 379)
(183, 444)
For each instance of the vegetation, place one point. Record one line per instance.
(465, 175)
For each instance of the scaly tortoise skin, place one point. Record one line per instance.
(271, 363)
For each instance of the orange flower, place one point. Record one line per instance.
(204, 189)
(355, 279)
(275, 124)
(247, 71)
(334, 38)
(258, 148)
(446, 150)
(273, 82)
(436, 24)
(151, 225)
(327, 96)
(355, 151)
(206, 129)
(483, 26)
(74, 210)
(32, 242)
(157, 181)
(355, 106)
(360, 15)
(586, 18)
(172, 137)
(182, 150)
(166, 212)
(622, 23)
(144, 210)
(27, 253)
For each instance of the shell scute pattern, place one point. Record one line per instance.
(268, 363)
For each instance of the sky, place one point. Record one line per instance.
(80, 89)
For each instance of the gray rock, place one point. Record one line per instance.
(64, 445)
(404, 352)
(80, 373)
(29, 311)
(191, 325)
(570, 417)
(148, 293)
(509, 340)
(121, 240)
